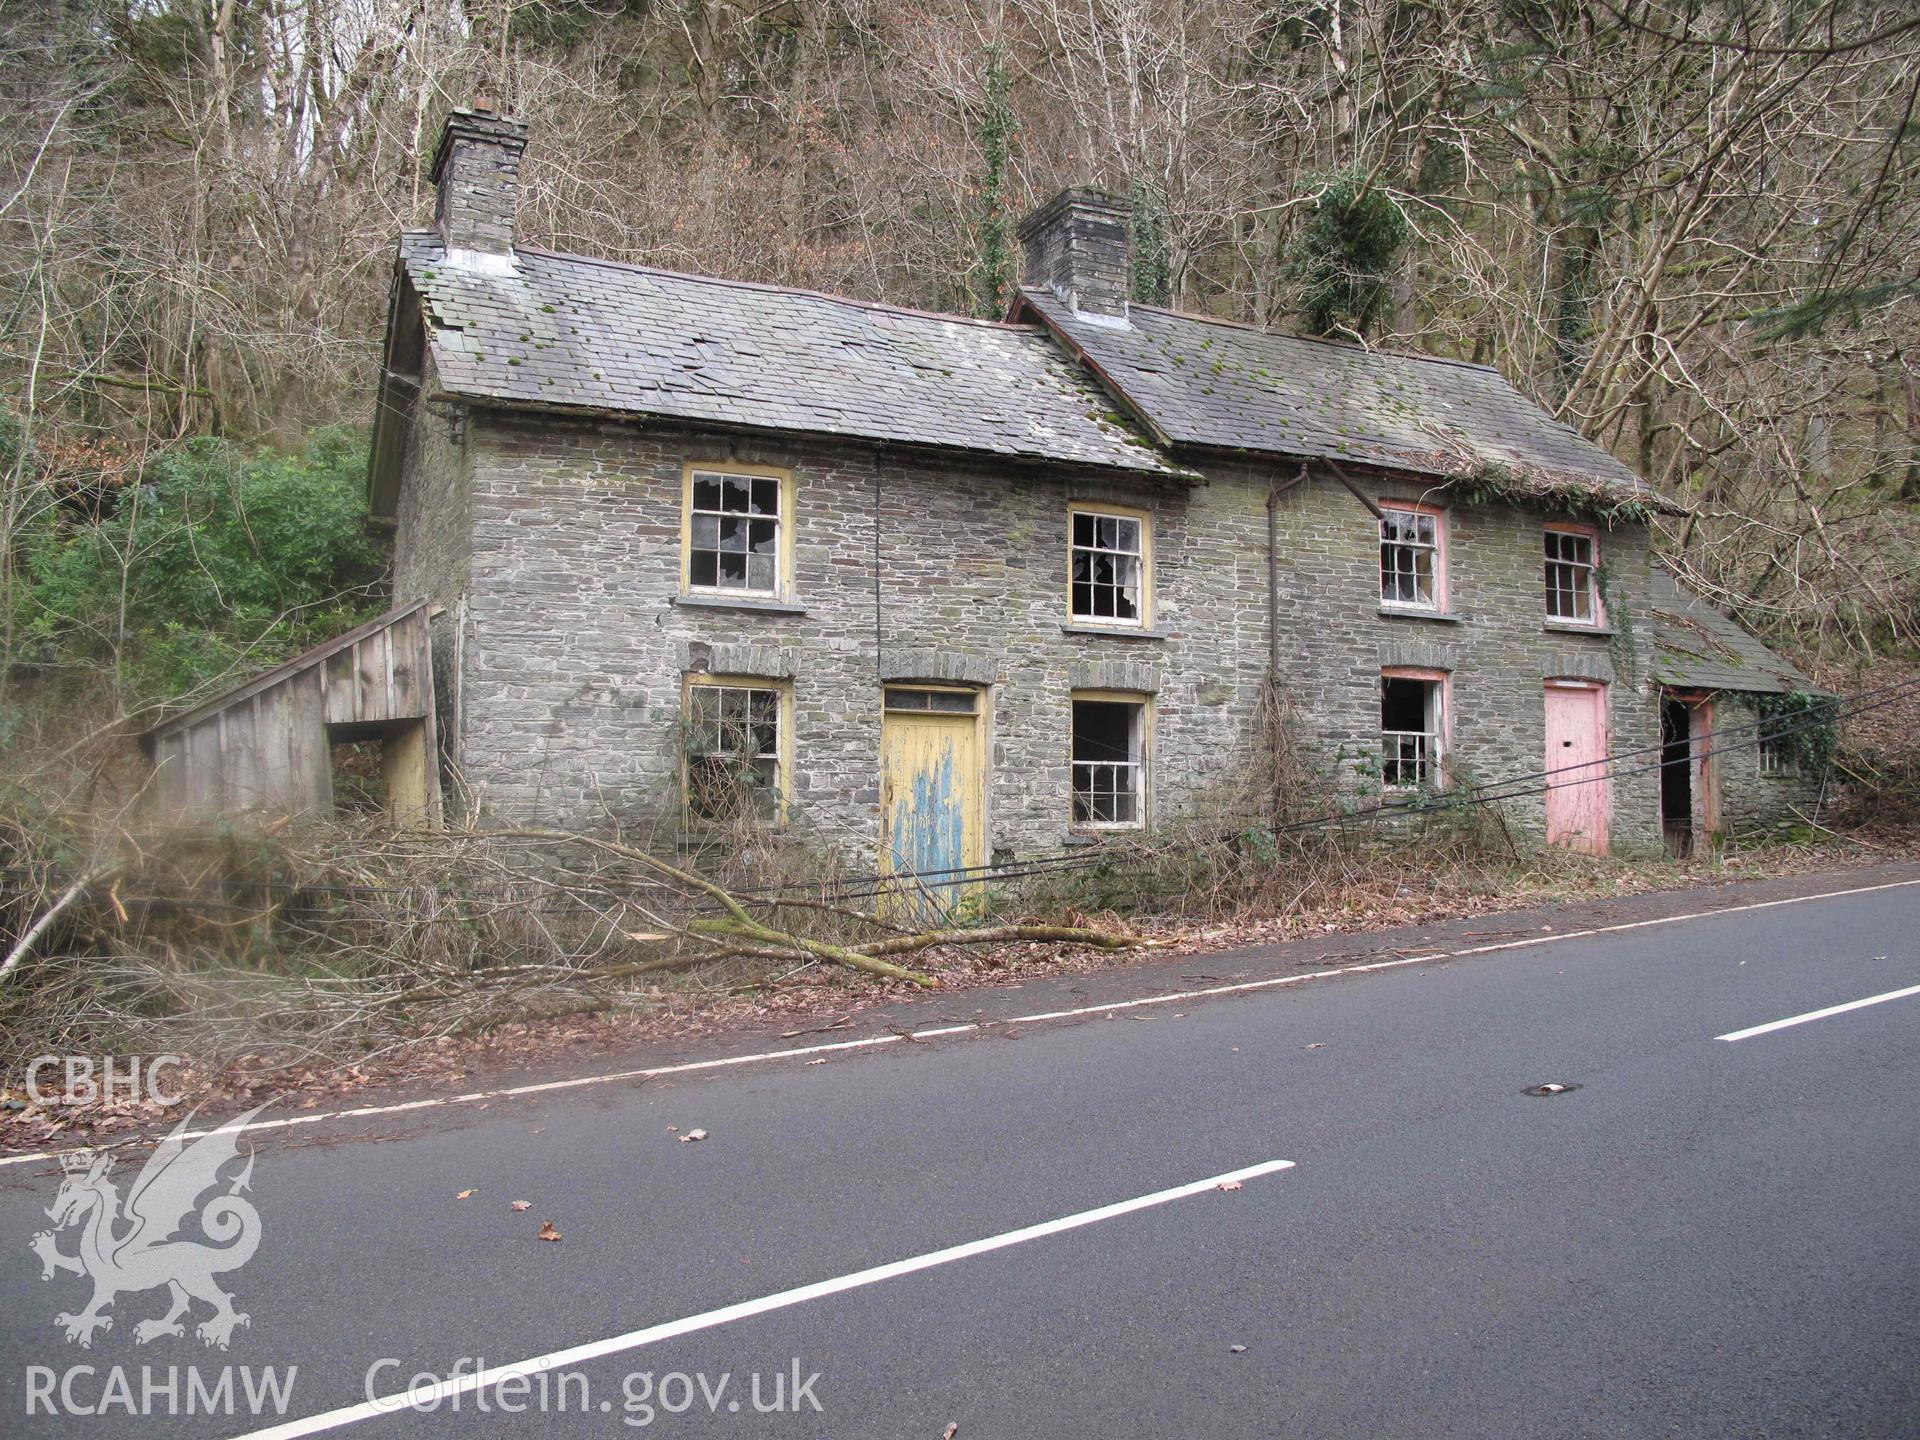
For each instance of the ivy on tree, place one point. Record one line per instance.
(1343, 257)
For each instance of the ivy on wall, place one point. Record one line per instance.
(1802, 728)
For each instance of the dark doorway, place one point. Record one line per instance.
(1676, 776)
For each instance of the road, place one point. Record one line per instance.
(1706, 1237)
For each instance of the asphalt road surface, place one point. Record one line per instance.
(1706, 1237)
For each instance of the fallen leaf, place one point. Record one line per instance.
(693, 1135)
(523, 1204)
(464, 1195)
(1229, 1184)
(547, 1232)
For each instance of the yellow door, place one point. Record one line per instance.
(931, 801)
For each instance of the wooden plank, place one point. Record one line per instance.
(203, 767)
(405, 662)
(170, 772)
(240, 774)
(310, 660)
(406, 764)
(339, 704)
(371, 701)
(429, 724)
(310, 755)
(273, 717)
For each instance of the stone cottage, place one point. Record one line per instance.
(953, 593)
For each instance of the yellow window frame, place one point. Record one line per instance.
(1147, 719)
(784, 564)
(1122, 512)
(783, 742)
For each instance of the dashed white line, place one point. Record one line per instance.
(938, 1031)
(1773, 1025)
(429, 1397)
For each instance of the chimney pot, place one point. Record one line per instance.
(1076, 245)
(476, 177)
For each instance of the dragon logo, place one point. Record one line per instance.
(141, 1249)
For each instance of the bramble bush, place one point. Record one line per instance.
(214, 562)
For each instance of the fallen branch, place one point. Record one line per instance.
(1003, 934)
(52, 913)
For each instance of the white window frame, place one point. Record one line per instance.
(1085, 775)
(1425, 749)
(1434, 546)
(1776, 763)
(1141, 557)
(1586, 571)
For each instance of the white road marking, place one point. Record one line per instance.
(937, 1032)
(1773, 1025)
(745, 1309)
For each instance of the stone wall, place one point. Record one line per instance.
(433, 551)
(577, 639)
(1495, 644)
(1752, 803)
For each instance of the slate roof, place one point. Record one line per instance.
(552, 330)
(1221, 385)
(1699, 648)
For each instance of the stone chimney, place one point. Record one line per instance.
(476, 177)
(1076, 246)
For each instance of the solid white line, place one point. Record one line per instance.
(1773, 1025)
(939, 1031)
(726, 1314)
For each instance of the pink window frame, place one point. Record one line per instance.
(1441, 601)
(1592, 532)
(1444, 679)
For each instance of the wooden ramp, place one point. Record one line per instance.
(269, 746)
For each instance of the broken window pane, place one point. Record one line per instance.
(1107, 571)
(734, 517)
(733, 750)
(951, 702)
(1409, 558)
(1410, 731)
(1107, 762)
(1570, 577)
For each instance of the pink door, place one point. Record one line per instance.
(1581, 800)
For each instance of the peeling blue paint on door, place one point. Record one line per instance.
(932, 818)
(928, 828)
